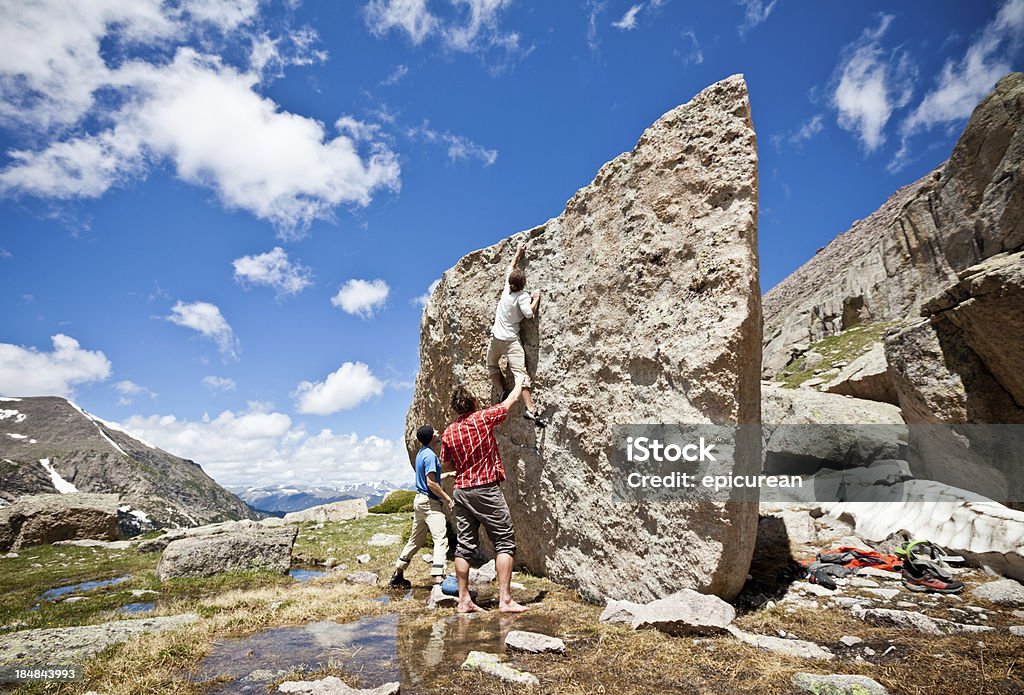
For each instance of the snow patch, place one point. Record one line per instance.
(96, 421)
(8, 398)
(62, 485)
(13, 435)
(18, 417)
(140, 515)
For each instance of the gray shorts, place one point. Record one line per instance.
(485, 505)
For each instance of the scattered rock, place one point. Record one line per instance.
(332, 685)
(815, 589)
(838, 684)
(862, 583)
(69, 645)
(886, 594)
(881, 574)
(685, 612)
(533, 642)
(384, 539)
(484, 574)
(619, 612)
(491, 664)
(345, 510)
(363, 559)
(1017, 630)
(1004, 592)
(850, 640)
(915, 621)
(362, 577)
(680, 211)
(439, 599)
(233, 547)
(779, 645)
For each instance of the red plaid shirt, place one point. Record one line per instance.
(469, 443)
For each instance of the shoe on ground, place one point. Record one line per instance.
(399, 582)
(919, 577)
(535, 419)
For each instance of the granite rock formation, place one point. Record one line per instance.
(230, 547)
(650, 314)
(886, 266)
(36, 519)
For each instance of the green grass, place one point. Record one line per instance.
(346, 540)
(397, 501)
(842, 347)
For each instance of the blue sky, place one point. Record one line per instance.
(218, 217)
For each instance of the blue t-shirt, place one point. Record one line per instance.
(427, 462)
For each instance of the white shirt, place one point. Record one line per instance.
(512, 308)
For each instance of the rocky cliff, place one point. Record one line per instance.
(48, 444)
(887, 265)
(650, 314)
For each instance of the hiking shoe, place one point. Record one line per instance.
(923, 578)
(535, 419)
(399, 582)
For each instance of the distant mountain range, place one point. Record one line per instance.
(281, 499)
(49, 444)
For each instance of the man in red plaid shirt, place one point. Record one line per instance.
(468, 446)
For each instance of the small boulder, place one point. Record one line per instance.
(685, 612)
(491, 664)
(238, 547)
(620, 612)
(1004, 592)
(37, 519)
(345, 510)
(439, 599)
(850, 640)
(781, 645)
(362, 577)
(838, 684)
(363, 559)
(534, 642)
(332, 685)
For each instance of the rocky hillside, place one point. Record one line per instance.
(650, 313)
(889, 264)
(49, 444)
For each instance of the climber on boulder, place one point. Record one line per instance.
(514, 305)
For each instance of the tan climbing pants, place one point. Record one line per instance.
(513, 350)
(428, 517)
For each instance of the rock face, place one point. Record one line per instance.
(234, 547)
(36, 519)
(335, 511)
(650, 314)
(86, 453)
(866, 377)
(887, 265)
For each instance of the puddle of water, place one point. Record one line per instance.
(137, 608)
(377, 650)
(54, 594)
(304, 575)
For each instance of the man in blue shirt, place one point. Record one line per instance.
(429, 513)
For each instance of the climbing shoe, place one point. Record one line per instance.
(921, 577)
(399, 582)
(535, 419)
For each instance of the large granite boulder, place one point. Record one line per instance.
(866, 377)
(346, 510)
(35, 519)
(229, 547)
(650, 314)
(883, 268)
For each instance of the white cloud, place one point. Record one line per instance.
(209, 322)
(474, 26)
(29, 372)
(195, 111)
(261, 447)
(129, 390)
(695, 54)
(870, 84)
(459, 147)
(962, 83)
(272, 269)
(628, 21)
(362, 298)
(219, 383)
(755, 12)
(5, 254)
(396, 76)
(594, 8)
(344, 389)
(804, 132)
(422, 299)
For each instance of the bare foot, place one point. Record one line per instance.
(512, 607)
(469, 608)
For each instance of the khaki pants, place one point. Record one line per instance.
(428, 517)
(512, 349)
